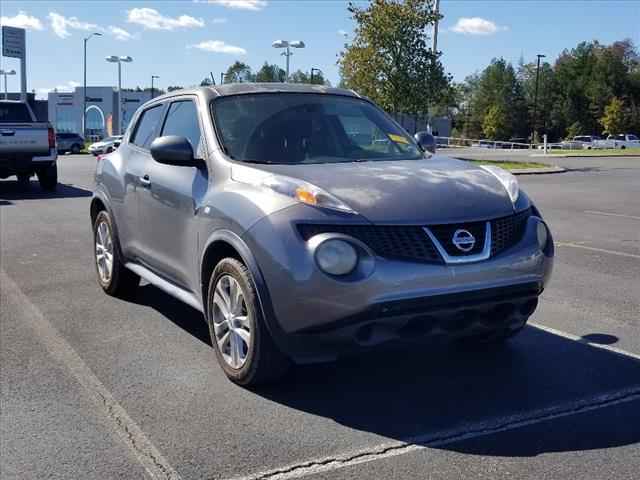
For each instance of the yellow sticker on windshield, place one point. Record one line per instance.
(397, 138)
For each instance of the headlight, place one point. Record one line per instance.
(507, 179)
(543, 235)
(305, 192)
(336, 257)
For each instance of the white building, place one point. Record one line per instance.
(65, 110)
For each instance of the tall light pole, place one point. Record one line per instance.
(6, 74)
(535, 99)
(84, 89)
(152, 77)
(288, 44)
(119, 61)
(436, 10)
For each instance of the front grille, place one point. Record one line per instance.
(399, 242)
(411, 242)
(507, 231)
(445, 233)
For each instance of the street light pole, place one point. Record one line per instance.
(6, 74)
(288, 45)
(119, 61)
(152, 77)
(535, 99)
(84, 89)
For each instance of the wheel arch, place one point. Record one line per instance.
(225, 243)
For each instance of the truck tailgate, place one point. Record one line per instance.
(20, 139)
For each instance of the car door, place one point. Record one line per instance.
(135, 153)
(170, 204)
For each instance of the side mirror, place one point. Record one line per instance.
(426, 141)
(174, 150)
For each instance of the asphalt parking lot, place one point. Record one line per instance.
(95, 387)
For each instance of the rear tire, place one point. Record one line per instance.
(257, 359)
(48, 177)
(24, 181)
(75, 149)
(117, 280)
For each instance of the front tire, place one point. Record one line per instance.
(75, 149)
(114, 278)
(244, 348)
(48, 177)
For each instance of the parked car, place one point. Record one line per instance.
(484, 144)
(106, 145)
(252, 204)
(69, 142)
(27, 146)
(622, 141)
(517, 143)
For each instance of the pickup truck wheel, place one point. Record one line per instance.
(24, 181)
(48, 177)
(75, 148)
(243, 345)
(114, 278)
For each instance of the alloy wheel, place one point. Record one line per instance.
(104, 252)
(231, 324)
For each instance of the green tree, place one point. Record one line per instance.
(388, 59)
(494, 124)
(614, 118)
(238, 72)
(270, 73)
(574, 130)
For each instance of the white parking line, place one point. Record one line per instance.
(594, 249)
(607, 214)
(146, 453)
(471, 430)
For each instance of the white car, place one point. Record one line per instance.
(622, 141)
(580, 142)
(106, 145)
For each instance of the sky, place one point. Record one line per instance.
(183, 41)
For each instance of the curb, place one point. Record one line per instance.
(537, 171)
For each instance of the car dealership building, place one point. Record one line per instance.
(103, 116)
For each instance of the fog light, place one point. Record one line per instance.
(543, 235)
(336, 257)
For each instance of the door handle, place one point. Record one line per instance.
(145, 181)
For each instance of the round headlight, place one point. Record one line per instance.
(336, 257)
(543, 235)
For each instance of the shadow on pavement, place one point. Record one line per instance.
(10, 190)
(419, 391)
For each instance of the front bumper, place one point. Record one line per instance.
(318, 316)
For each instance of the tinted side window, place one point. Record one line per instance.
(147, 127)
(14, 112)
(182, 120)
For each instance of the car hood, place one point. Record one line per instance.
(432, 190)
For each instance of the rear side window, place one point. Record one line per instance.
(182, 120)
(14, 113)
(147, 127)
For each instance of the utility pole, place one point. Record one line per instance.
(152, 77)
(435, 27)
(535, 99)
(84, 89)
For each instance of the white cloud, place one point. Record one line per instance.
(120, 33)
(61, 25)
(343, 33)
(153, 20)
(218, 46)
(65, 87)
(238, 4)
(22, 20)
(218, 21)
(476, 26)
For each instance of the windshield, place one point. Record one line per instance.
(308, 128)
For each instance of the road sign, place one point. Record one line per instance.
(13, 42)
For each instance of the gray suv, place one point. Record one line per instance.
(304, 223)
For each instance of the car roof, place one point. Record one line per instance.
(229, 89)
